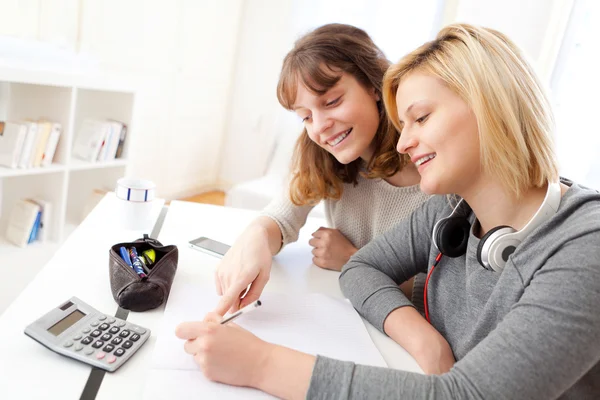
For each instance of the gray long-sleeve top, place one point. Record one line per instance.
(529, 332)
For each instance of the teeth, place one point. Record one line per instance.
(423, 159)
(339, 138)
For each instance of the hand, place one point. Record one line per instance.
(225, 353)
(331, 249)
(248, 262)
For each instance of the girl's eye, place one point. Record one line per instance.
(305, 118)
(422, 119)
(333, 102)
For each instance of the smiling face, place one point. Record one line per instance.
(343, 121)
(439, 133)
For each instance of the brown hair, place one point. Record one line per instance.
(487, 70)
(317, 61)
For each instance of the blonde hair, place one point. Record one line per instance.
(488, 71)
(317, 61)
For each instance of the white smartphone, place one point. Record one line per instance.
(209, 246)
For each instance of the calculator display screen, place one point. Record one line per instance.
(66, 322)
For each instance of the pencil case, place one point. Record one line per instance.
(146, 283)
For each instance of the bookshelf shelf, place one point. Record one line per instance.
(68, 183)
(80, 165)
(54, 168)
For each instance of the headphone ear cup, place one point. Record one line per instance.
(452, 236)
(480, 258)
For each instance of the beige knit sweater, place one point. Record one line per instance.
(366, 210)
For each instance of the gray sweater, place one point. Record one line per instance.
(529, 332)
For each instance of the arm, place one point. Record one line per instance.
(370, 280)
(249, 260)
(542, 347)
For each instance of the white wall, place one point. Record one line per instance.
(265, 38)
(532, 24)
(181, 55)
(207, 70)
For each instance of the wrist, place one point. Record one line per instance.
(264, 363)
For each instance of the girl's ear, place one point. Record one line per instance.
(375, 95)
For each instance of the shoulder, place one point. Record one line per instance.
(579, 210)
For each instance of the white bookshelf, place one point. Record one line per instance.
(67, 98)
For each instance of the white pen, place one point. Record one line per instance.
(252, 306)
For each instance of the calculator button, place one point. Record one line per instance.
(95, 333)
(139, 330)
(135, 337)
(108, 348)
(100, 355)
(114, 330)
(111, 359)
(111, 320)
(95, 323)
(120, 324)
(68, 344)
(117, 340)
(127, 344)
(86, 330)
(89, 352)
(78, 347)
(98, 344)
(102, 317)
(119, 352)
(106, 337)
(77, 337)
(104, 326)
(87, 340)
(124, 333)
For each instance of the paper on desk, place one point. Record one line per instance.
(312, 323)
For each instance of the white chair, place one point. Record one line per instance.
(257, 193)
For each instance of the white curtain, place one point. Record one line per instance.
(576, 96)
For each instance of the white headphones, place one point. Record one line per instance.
(451, 234)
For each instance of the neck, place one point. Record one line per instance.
(494, 206)
(407, 176)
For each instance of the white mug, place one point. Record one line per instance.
(136, 197)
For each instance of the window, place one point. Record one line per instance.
(396, 26)
(575, 96)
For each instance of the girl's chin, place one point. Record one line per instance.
(345, 158)
(430, 187)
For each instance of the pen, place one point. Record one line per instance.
(252, 306)
(137, 264)
(125, 255)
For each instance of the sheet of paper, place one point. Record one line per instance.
(312, 323)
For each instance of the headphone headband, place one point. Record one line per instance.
(500, 242)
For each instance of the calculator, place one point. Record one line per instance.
(77, 330)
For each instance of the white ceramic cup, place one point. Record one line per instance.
(136, 200)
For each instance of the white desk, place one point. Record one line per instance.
(67, 275)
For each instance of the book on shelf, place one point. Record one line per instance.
(25, 161)
(52, 144)
(22, 222)
(27, 144)
(42, 233)
(12, 139)
(44, 129)
(89, 140)
(29, 221)
(121, 144)
(99, 140)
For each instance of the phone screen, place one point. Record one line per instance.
(210, 245)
